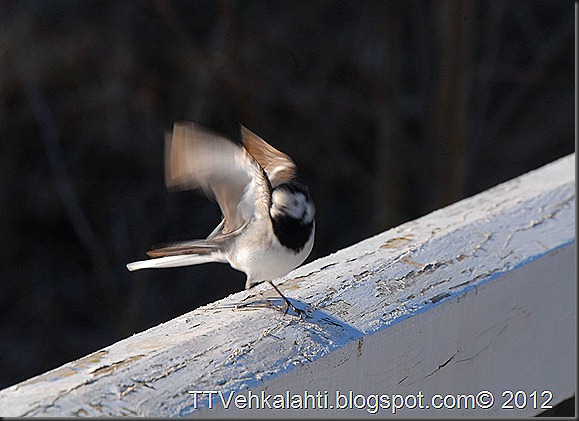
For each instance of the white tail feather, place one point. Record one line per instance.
(175, 261)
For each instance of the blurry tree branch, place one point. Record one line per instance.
(221, 65)
(455, 20)
(545, 54)
(64, 186)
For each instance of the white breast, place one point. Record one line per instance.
(264, 258)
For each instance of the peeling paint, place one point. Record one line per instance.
(106, 369)
(396, 242)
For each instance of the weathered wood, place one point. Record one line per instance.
(478, 296)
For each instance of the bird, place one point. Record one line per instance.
(268, 215)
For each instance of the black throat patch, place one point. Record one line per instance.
(291, 233)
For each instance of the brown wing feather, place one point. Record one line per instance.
(211, 244)
(279, 167)
(198, 158)
(190, 247)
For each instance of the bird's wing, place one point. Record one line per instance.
(279, 167)
(200, 247)
(198, 158)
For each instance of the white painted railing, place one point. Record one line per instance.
(470, 308)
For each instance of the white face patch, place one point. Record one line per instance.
(293, 204)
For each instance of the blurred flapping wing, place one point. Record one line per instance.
(198, 158)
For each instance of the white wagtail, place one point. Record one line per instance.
(268, 222)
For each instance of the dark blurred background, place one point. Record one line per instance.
(391, 109)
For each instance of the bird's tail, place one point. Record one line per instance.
(180, 254)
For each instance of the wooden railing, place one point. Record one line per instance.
(468, 311)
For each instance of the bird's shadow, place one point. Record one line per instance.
(277, 304)
(316, 318)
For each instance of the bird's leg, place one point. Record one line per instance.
(287, 302)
